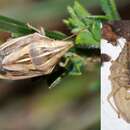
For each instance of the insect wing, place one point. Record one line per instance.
(15, 60)
(46, 54)
(30, 56)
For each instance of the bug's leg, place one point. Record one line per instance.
(113, 92)
(64, 64)
(57, 81)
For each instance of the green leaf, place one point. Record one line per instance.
(14, 26)
(17, 29)
(74, 20)
(80, 10)
(82, 13)
(85, 38)
(96, 30)
(55, 35)
(97, 17)
(109, 7)
(9, 20)
(80, 19)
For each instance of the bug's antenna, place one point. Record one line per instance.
(69, 37)
(32, 27)
(73, 35)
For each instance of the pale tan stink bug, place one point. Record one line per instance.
(121, 83)
(120, 68)
(30, 56)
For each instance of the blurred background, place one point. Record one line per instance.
(74, 104)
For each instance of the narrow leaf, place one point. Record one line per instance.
(109, 7)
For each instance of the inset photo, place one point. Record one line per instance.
(115, 75)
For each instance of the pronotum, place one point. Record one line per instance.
(30, 56)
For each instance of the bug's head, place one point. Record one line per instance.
(62, 46)
(66, 44)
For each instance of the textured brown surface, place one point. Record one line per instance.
(120, 67)
(120, 84)
(121, 28)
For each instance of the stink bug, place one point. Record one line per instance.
(117, 33)
(30, 56)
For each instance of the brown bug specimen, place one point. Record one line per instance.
(120, 79)
(30, 56)
(120, 68)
